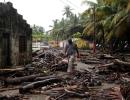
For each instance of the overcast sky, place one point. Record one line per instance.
(42, 12)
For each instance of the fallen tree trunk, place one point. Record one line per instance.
(62, 88)
(75, 94)
(6, 71)
(117, 65)
(20, 79)
(117, 61)
(45, 77)
(60, 67)
(107, 65)
(106, 56)
(37, 84)
(61, 96)
(91, 62)
(7, 89)
(12, 69)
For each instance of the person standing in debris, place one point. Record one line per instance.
(70, 51)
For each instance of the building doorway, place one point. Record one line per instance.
(6, 50)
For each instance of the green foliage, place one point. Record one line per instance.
(111, 21)
(82, 44)
(77, 35)
(37, 29)
(67, 11)
(37, 33)
(66, 27)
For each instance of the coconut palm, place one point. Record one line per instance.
(67, 11)
(111, 16)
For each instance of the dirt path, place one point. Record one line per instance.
(82, 67)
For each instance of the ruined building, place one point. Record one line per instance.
(15, 37)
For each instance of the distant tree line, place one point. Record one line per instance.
(112, 24)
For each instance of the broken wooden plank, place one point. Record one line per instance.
(62, 88)
(20, 79)
(61, 96)
(91, 62)
(9, 70)
(7, 89)
(45, 77)
(105, 56)
(117, 61)
(76, 94)
(26, 88)
(107, 65)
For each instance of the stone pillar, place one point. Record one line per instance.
(15, 50)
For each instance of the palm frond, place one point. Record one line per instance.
(107, 22)
(120, 29)
(128, 6)
(90, 3)
(118, 16)
(89, 29)
(109, 36)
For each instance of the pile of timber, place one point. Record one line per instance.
(51, 59)
(64, 85)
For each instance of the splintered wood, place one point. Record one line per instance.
(47, 77)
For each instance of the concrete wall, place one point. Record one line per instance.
(13, 23)
(0, 48)
(15, 50)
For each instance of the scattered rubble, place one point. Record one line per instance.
(47, 76)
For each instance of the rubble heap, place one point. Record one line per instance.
(47, 76)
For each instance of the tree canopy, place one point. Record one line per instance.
(112, 21)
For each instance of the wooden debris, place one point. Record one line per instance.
(20, 79)
(76, 94)
(62, 88)
(116, 62)
(74, 85)
(107, 65)
(61, 96)
(105, 56)
(7, 89)
(26, 88)
(6, 71)
(60, 67)
(119, 62)
(91, 62)
(44, 78)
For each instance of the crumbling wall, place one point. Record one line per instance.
(15, 26)
(0, 49)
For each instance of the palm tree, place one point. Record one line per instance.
(55, 28)
(62, 28)
(111, 16)
(89, 2)
(67, 11)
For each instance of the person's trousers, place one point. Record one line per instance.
(71, 60)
